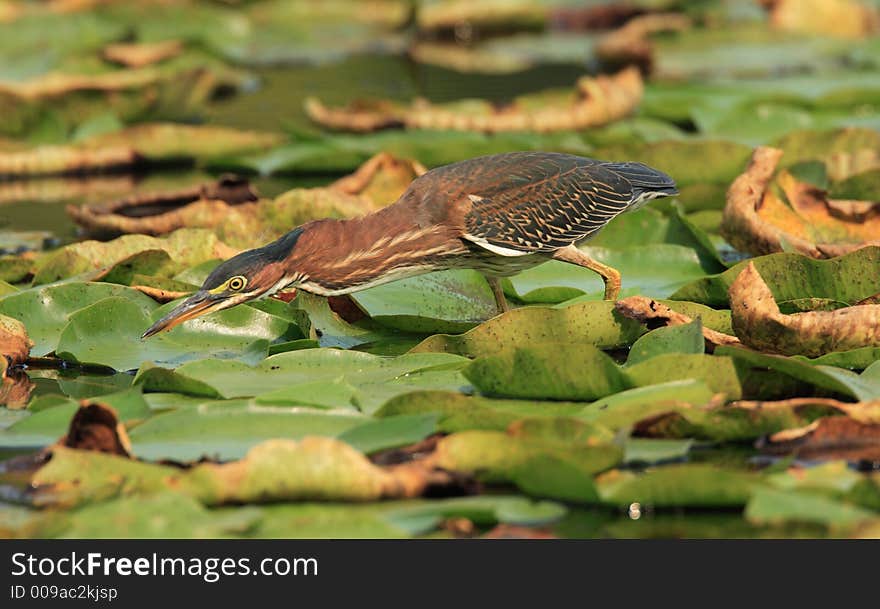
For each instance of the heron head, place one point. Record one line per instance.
(246, 276)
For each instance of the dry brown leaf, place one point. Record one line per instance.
(15, 346)
(232, 208)
(827, 438)
(759, 324)
(758, 221)
(95, 427)
(654, 314)
(14, 342)
(597, 101)
(843, 18)
(139, 55)
(631, 44)
(157, 213)
(380, 178)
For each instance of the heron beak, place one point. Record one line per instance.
(198, 304)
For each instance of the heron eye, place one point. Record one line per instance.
(236, 283)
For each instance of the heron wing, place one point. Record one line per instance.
(542, 202)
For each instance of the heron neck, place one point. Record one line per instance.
(339, 256)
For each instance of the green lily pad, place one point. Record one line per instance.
(375, 378)
(165, 515)
(457, 412)
(390, 432)
(548, 371)
(586, 323)
(131, 254)
(687, 338)
(50, 420)
(829, 378)
(650, 451)
(658, 270)
(447, 301)
(719, 373)
(771, 506)
(497, 457)
(340, 152)
(45, 310)
(96, 335)
(227, 430)
(623, 409)
(790, 276)
(691, 485)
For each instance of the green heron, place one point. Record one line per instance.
(496, 214)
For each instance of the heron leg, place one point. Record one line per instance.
(500, 300)
(609, 275)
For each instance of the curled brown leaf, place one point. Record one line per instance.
(654, 314)
(157, 213)
(597, 101)
(759, 324)
(758, 221)
(14, 342)
(231, 206)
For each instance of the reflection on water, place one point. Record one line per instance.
(77, 384)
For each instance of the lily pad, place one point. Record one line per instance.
(447, 301)
(227, 430)
(587, 323)
(45, 310)
(849, 278)
(548, 371)
(383, 376)
(94, 335)
(687, 338)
